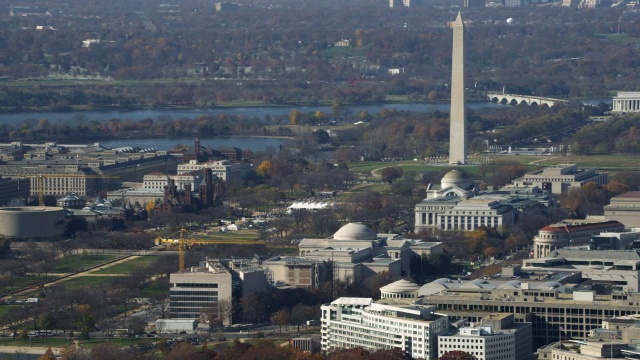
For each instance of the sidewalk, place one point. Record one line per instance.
(36, 350)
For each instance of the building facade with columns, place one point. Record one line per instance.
(626, 101)
(570, 232)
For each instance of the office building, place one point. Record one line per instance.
(617, 270)
(586, 350)
(224, 169)
(13, 188)
(295, 271)
(560, 178)
(158, 180)
(360, 322)
(624, 208)
(558, 305)
(199, 289)
(58, 170)
(495, 337)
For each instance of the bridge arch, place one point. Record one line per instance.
(514, 99)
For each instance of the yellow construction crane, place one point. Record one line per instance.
(183, 243)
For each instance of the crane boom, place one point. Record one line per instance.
(181, 250)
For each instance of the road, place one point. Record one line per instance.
(66, 276)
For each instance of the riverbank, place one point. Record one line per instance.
(259, 112)
(230, 105)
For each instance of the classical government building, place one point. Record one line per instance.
(457, 204)
(626, 101)
(571, 232)
(357, 252)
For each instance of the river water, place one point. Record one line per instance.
(252, 143)
(260, 112)
(242, 142)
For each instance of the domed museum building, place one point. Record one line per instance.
(358, 252)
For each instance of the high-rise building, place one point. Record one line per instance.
(458, 123)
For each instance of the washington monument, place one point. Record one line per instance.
(458, 123)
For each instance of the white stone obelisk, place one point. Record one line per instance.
(458, 122)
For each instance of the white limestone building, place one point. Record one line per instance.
(625, 208)
(626, 101)
(560, 178)
(402, 290)
(458, 204)
(359, 322)
(470, 214)
(570, 232)
(357, 252)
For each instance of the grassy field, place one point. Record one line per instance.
(611, 163)
(232, 235)
(379, 187)
(27, 281)
(600, 162)
(85, 281)
(73, 263)
(622, 38)
(128, 266)
(61, 342)
(7, 308)
(367, 167)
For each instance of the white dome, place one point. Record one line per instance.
(400, 286)
(455, 178)
(355, 231)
